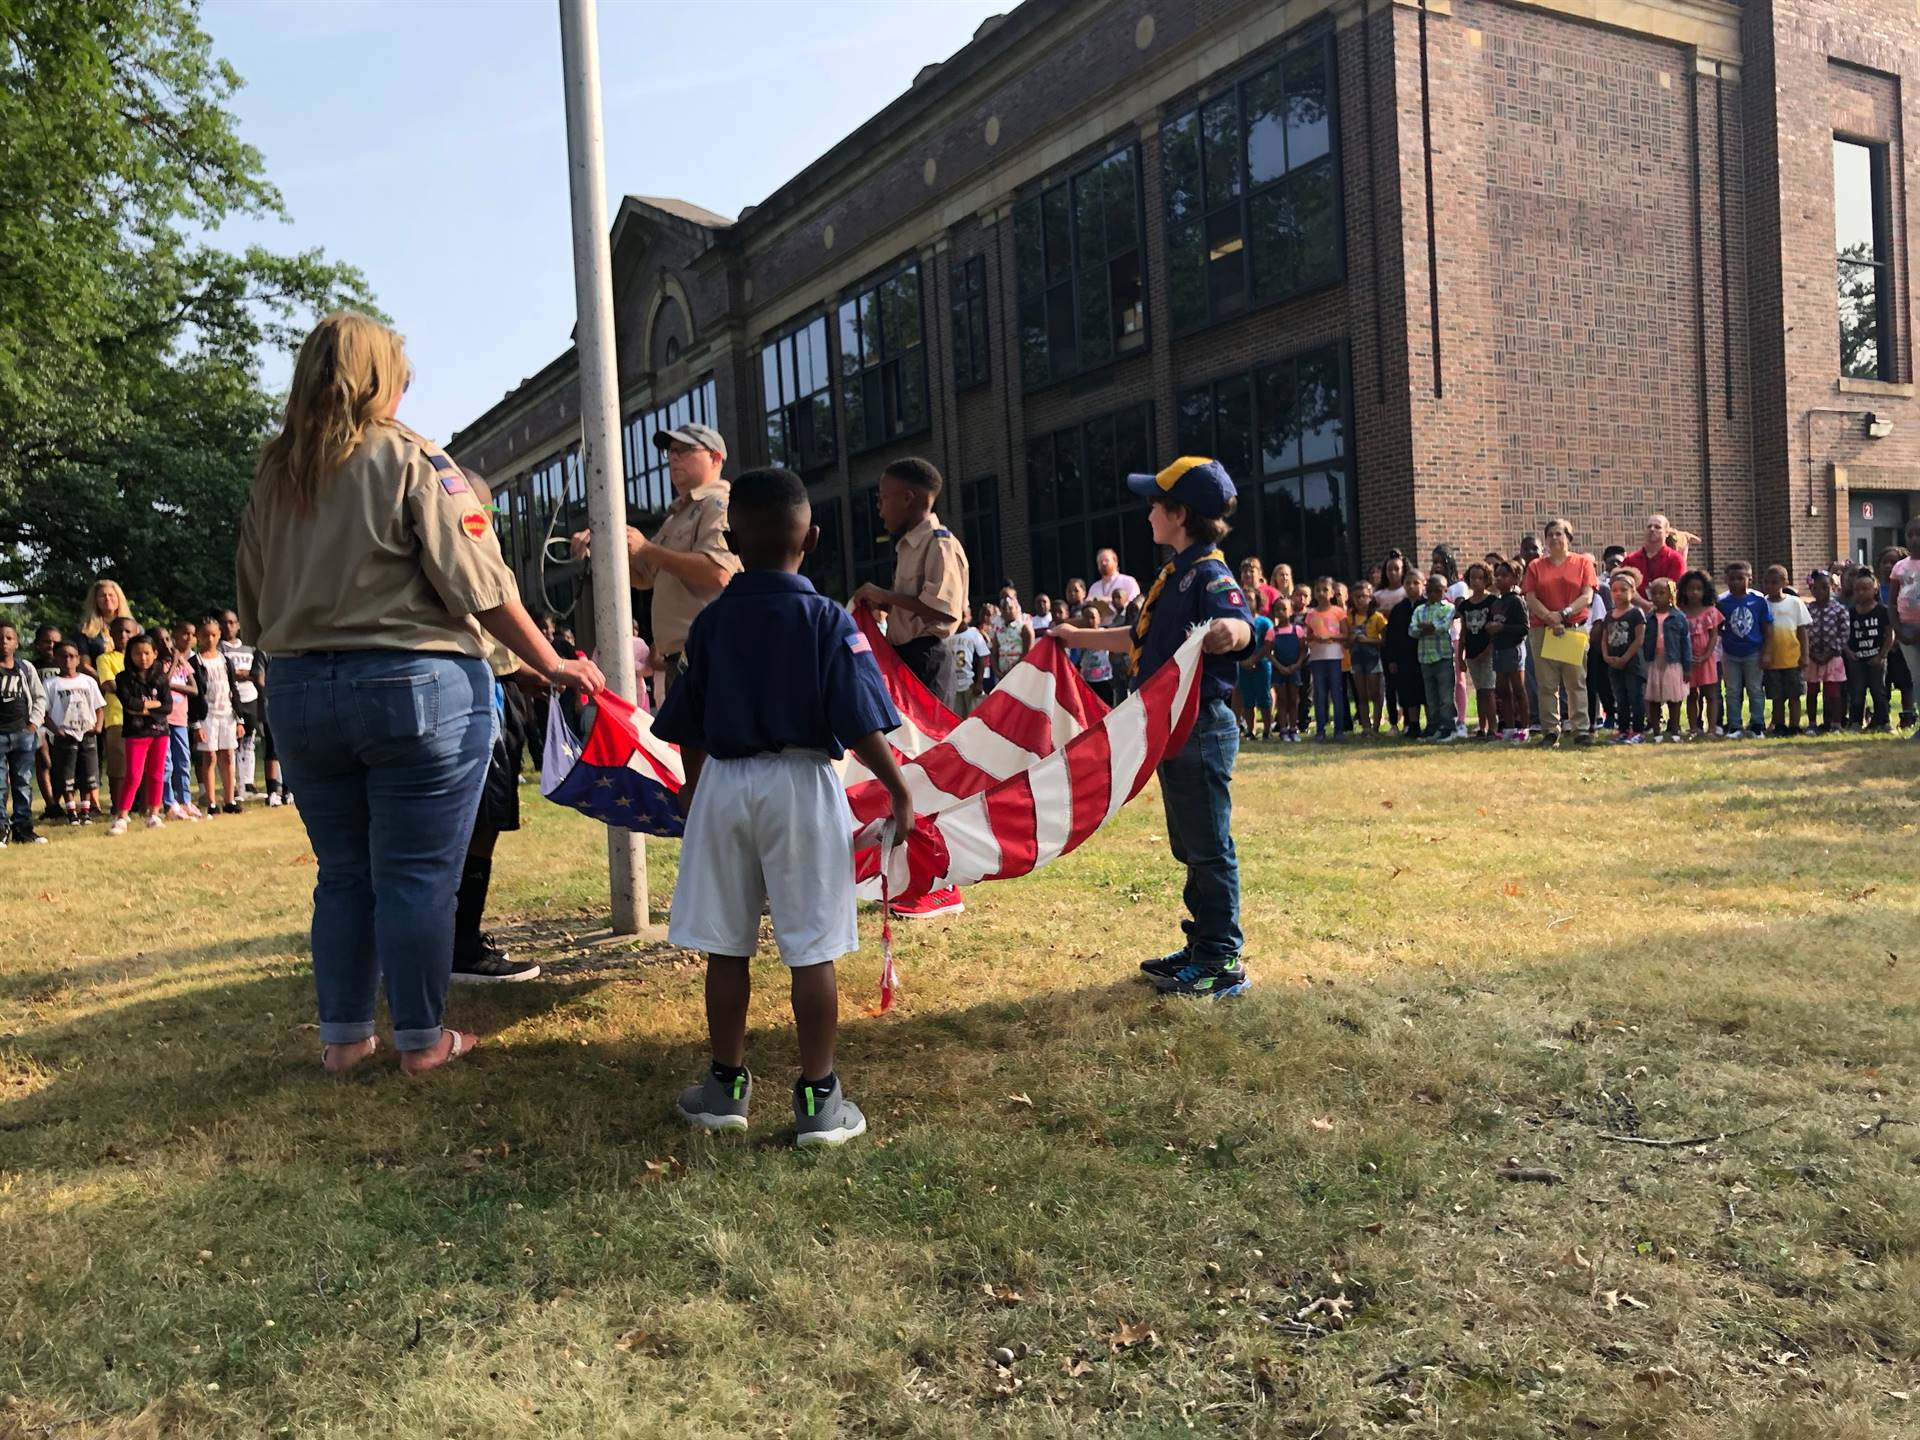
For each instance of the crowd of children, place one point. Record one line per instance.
(1660, 662)
(116, 721)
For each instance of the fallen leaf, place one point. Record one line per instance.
(1004, 1294)
(1078, 1368)
(1512, 888)
(1264, 1376)
(1322, 1123)
(1579, 1259)
(1386, 804)
(1022, 1099)
(1132, 1334)
(1335, 1308)
(633, 1340)
(1626, 1299)
(1658, 1375)
(1862, 894)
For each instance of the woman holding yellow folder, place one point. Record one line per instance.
(1558, 588)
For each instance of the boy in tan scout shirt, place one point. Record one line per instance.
(927, 604)
(687, 561)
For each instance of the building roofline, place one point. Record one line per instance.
(510, 403)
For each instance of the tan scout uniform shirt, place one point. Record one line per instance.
(398, 555)
(696, 524)
(930, 566)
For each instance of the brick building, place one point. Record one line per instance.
(1415, 271)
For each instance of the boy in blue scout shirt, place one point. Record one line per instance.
(778, 685)
(1192, 499)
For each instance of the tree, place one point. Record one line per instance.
(130, 402)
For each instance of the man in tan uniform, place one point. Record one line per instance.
(928, 602)
(927, 605)
(687, 562)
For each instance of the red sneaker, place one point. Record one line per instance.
(934, 902)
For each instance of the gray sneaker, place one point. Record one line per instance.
(715, 1105)
(829, 1119)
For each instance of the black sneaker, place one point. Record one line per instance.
(231, 808)
(488, 964)
(1198, 982)
(1167, 966)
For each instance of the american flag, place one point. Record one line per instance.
(1039, 765)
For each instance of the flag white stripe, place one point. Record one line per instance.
(1052, 807)
(1127, 746)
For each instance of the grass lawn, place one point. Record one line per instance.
(1282, 1215)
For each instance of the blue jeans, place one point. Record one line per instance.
(1741, 676)
(1629, 700)
(1328, 692)
(388, 751)
(177, 787)
(17, 750)
(1194, 788)
(1438, 677)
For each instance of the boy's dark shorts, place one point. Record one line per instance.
(1783, 684)
(1509, 659)
(1366, 661)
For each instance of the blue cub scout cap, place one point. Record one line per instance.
(1201, 485)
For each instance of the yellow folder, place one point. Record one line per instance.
(1569, 647)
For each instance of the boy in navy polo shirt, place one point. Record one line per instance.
(778, 684)
(1192, 499)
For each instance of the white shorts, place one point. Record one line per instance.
(771, 830)
(219, 733)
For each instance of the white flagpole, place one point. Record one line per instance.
(600, 413)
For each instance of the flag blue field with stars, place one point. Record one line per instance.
(619, 773)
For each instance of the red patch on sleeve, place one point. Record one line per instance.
(474, 522)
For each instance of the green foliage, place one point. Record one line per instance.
(130, 405)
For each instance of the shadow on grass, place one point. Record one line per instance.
(21, 985)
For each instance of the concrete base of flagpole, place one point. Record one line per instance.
(603, 939)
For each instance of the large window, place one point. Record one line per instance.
(558, 485)
(1077, 252)
(1078, 502)
(826, 566)
(649, 483)
(872, 545)
(1281, 432)
(968, 281)
(797, 386)
(974, 515)
(883, 362)
(1862, 235)
(1252, 194)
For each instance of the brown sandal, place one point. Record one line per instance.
(372, 1043)
(459, 1045)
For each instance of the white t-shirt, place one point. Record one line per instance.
(1116, 589)
(242, 657)
(1791, 611)
(966, 649)
(74, 702)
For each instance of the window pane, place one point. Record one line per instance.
(1040, 498)
(1220, 149)
(870, 328)
(1123, 213)
(1103, 489)
(1129, 300)
(913, 391)
(1133, 442)
(900, 311)
(1060, 329)
(776, 439)
(1054, 231)
(770, 377)
(1069, 479)
(1315, 220)
(1853, 200)
(1323, 493)
(789, 381)
(977, 328)
(1180, 167)
(1233, 426)
(1279, 441)
(1308, 134)
(962, 344)
(1195, 420)
(1226, 264)
(849, 338)
(1139, 556)
(1322, 430)
(1046, 566)
(1090, 214)
(803, 380)
(853, 399)
(1074, 557)
(1859, 321)
(1281, 527)
(1266, 128)
(1096, 317)
(1027, 263)
(1034, 369)
(1187, 274)
(873, 399)
(823, 443)
(1273, 239)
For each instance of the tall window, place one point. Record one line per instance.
(977, 522)
(1283, 428)
(883, 362)
(1078, 502)
(872, 545)
(1862, 234)
(798, 391)
(1252, 194)
(826, 564)
(968, 282)
(649, 482)
(1077, 252)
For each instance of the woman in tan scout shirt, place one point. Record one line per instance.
(367, 570)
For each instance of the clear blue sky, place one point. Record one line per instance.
(425, 142)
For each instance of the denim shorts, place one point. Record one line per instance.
(1366, 662)
(1509, 659)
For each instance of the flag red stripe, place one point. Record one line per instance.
(1090, 773)
(912, 699)
(1010, 818)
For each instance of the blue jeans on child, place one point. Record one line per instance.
(1437, 677)
(177, 787)
(17, 750)
(1329, 692)
(388, 751)
(1629, 700)
(1741, 674)
(1199, 805)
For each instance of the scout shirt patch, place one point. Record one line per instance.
(474, 522)
(1186, 581)
(449, 476)
(1228, 587)
(858, 643)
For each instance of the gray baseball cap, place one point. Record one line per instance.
(703, 436)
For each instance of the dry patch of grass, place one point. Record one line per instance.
(1082, 1209)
